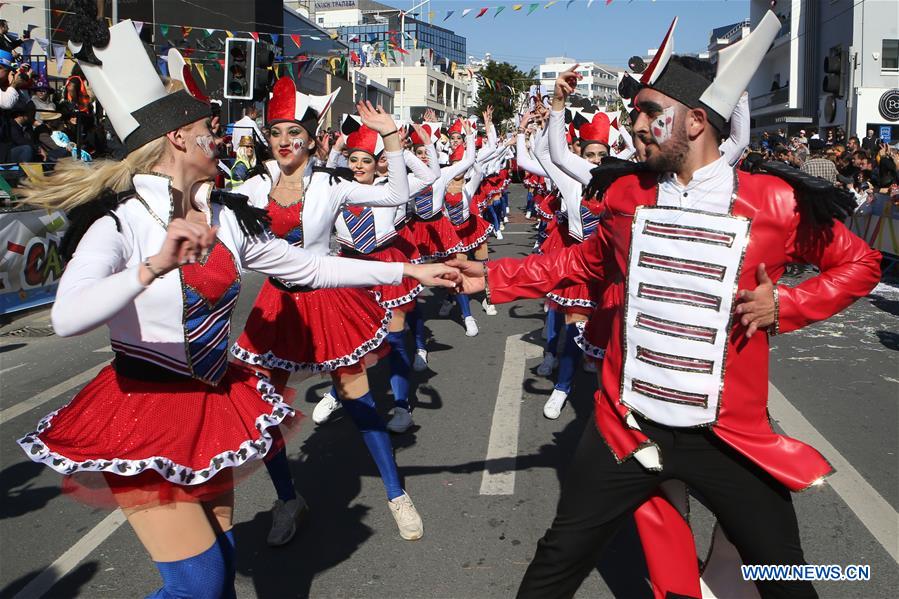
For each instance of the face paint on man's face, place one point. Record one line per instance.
(207, 144)
(663, 125)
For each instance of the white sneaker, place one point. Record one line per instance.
(324, 408)
(499, 234)
(505, 219)
(445, 308)
(502, 227)
(471, 327)
(420, 364)
(553, 406)
(547, 366)
(528, 215)
(285, 516)
(589, 365)
(407, 518)
(401, 421)
(489, 308)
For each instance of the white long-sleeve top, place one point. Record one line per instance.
(325, 198)
(525, 159)
(101, 285)
(447, 174)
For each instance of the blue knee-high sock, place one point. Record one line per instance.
(529, 207)
(227, 547)
(495, 210)
(279, 472)
(416, 322)
(569, 359)
(400, 365)
(462, 300)
(374, 433)
(202, 576)
(554, 322)
(505, 201)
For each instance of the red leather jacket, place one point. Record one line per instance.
(849, 270)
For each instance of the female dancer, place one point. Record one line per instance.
(371, 233)
(157, 259)
(332, 331)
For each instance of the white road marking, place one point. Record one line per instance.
(48, 394)
(106, 349)
(503, 443)
(872, 509)
(518, 233)
(5, 370)
(68, 561)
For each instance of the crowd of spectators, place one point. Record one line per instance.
(866, 167)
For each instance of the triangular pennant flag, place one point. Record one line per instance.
(163, 67)
(533, 7)
(209, 31)
(44, 43)
(315, 37)
(570, 2)
(608, 2)
(449, 13)
(185, 31)
(334, 35)
(550, 3)
(27, 46)
(481, 13)
(255, 35)
(201, 71)
(589, 2)
(59, 54)
(516, 7)
(290, 69)
(295, 38)
(164, 29)
(228, 33)
(465, 12)
(138, 25)
(431, 15)
(499, 9)
(219, 64)
(25, 8)
(275, 37)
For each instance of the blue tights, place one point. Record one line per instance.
(417, 325)
(554, 322)
(463, 300)
(374, 433)
(569, 359)
(400, 364)
(209, 575)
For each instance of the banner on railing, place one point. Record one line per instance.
(878, 224)
(30, 262)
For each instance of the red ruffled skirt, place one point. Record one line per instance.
(473, 233)
(394, 297)
(570, 299)
(546, 205)
(434, 239)
(152, 442)
(595, 333)
(321, 330)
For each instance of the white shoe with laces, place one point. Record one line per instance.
(489, 309)
(528, 215)
(505, 219)
(499, 234)
(471, 327)
(285, 517)
(407, 519)
(420, 364)
(445, 308)
(553, 406)
(502, 227)
(324, 408)
(401, 421)
(547, 366)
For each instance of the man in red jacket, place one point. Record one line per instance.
(684, 383)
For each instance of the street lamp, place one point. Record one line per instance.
(403, 58)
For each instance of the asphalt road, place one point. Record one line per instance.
(480, 529)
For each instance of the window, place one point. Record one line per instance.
(548, 75)
(321, 20)
(889, 58)
(394, 84)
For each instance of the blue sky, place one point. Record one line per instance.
(607, 34)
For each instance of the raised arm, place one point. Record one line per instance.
(629, 149)
(394, 193)
(524, 158)
(571, 189)
(567, 161)
(732, 148)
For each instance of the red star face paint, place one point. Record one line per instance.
(207, 144)
(662, 125)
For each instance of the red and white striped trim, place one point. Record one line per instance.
(673, 362)
(675, 295)
(688, 233)
(148, 355)
(706, 270)
(675, 329)
(660, 393)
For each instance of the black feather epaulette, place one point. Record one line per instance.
(820, 202)
(606, 173)
(336, 173)
(82, 217)
(252, 221)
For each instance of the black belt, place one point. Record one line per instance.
(141, 370)
(436, 216)
(279, 284)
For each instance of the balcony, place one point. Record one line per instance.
(778, 98)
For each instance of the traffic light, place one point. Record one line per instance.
(264, 77)
(240, 61)
(833, 69)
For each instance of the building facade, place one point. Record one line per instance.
(723, 37)
(860, 42)
(599, 84)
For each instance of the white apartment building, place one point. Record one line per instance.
(860, 38)
(426, 86)
(599, 83)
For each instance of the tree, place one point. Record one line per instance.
(504, 102)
